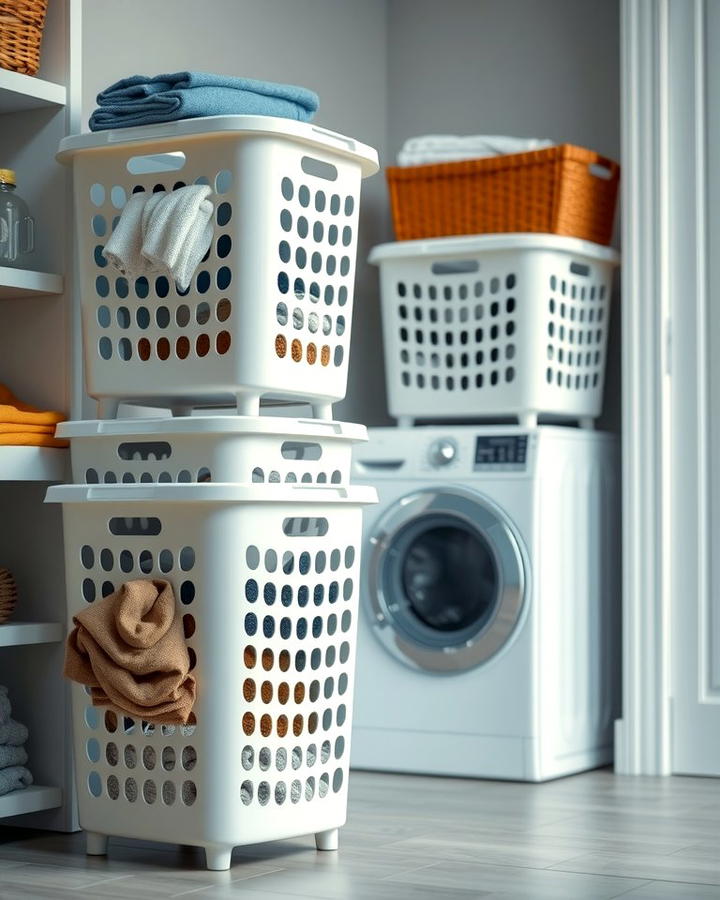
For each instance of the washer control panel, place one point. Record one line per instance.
(506, 453)
(442, 452)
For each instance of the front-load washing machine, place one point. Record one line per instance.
(489, 640)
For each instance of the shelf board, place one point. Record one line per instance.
(32, 799)
(17, 283)
(22, 92)
(33, 464)
(15, 634)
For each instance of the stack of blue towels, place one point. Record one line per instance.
(145, 100)
(13, 756)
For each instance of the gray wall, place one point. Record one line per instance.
(386, 70)
(335, 47)
(538, 68)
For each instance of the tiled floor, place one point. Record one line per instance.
(594, 836)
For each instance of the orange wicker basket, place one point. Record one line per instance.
(561, 190)
(21, 27)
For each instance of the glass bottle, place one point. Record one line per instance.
(17, 227)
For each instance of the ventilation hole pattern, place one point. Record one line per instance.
(158, 321)
(134, 761)
(577, 314)
(298, 461)
(316, 260)
(295, 704)
(296, 697)
(458, 334)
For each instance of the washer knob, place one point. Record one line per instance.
(442, 452)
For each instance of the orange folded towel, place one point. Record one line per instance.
(12, 428)
(130, 649)
(29, 439)
(22, 425)
(13, 411)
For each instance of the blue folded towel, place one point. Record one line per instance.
(142, 100)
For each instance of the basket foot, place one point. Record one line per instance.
(322, 411)
(528, 420)
(95, 844)
(107, 409)
(181, 410)
(587, 422)
(217, 859)
(248, 405)
(327, 840)
(405, 421)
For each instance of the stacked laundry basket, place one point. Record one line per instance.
(250, 518)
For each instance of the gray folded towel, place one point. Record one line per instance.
(14, 779)
(13, 734)
(12, 756)
(5, 708)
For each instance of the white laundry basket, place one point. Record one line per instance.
(270, 308)
(495, 325)
(239, 449)
(266, 578)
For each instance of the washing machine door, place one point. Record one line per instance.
(446, 580)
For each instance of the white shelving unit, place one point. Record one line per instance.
(19, 634)
(19, 93)
(38, 326)
(32, 799)
(33, 464)
(18, 283)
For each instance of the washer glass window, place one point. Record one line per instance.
(444, 576)
(446, 580)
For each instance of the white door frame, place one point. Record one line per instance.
(664, 299)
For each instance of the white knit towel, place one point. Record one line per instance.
(177, 232)
(123, 247)
(164, 232)
(438, 148)
(148, 209)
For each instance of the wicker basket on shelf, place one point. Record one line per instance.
(564, 190)
(8, 595)
(21, 27)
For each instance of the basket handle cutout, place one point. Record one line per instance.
(600, 171)
(338, 138)
(138, 526)
(300, 450)
(172, 161)
(145, 450)
(579, 269)
(297, 526)
(456, 267)
(318, 169)
(388, 465)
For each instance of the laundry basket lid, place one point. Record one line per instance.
(357, 495)
(469, 245)
(306, 133)
(204, 425)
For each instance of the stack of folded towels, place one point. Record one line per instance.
(24, 425)
(145, 100)
(13, 774)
